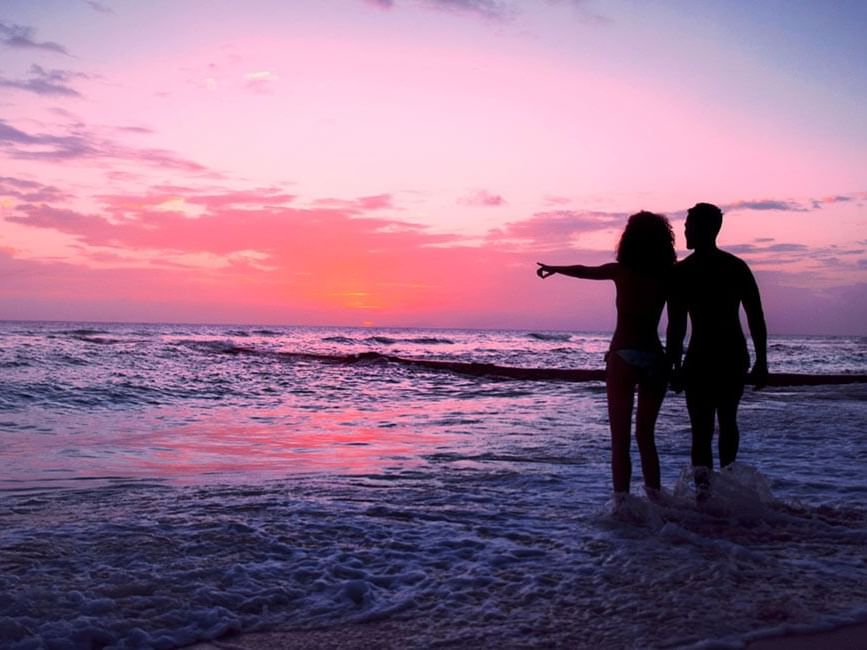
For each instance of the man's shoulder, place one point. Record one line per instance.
(733, 261)
(729, 256)
(717, 256)
(685, 263)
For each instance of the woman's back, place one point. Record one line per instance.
(640, 300)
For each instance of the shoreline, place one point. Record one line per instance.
(388, 635)
(848, 636)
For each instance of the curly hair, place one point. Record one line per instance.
(647, 243)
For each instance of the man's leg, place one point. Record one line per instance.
(701, 408)
(727, 415)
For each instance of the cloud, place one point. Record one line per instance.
(30, 191)
(815, 261)
(23, 37)
(482, 198)
(374, 202)
(257, 254)
(256, 219)
(169, 197)
(585, 13)
(764, 204)
(81, 143)
(788, 205)
(793, 306)
(483, 8)
(20, 144)
(259, 81)
(99, 6)
(46, 82)
(787, 248)
(557, 201)
(557, 229)
(136, 129)
(491, 9)
(818, 204)
(322, 257)
(354, 206)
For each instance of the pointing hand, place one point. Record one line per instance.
(544, 270)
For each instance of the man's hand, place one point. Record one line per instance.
(758, 376)
(675, 381)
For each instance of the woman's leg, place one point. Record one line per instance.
(650, 396)
(620, 383)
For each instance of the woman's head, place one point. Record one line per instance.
(647, 243)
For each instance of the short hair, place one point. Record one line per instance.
(647, 243)
(709, 215)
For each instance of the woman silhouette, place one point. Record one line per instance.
(636, 358)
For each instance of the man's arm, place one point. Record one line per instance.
(752, 303)
(675, 333)
(603, 272)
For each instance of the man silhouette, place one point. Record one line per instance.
(710, 285)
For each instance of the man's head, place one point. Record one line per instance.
(703, 222)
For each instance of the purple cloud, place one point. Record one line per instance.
(98, 6)
(585, 13)
(483, 8)
(786, 248)
(817, 257)
(495, 9)
(136, 129)
(30, 191)
(25, 146)
(828, 200)
(785, 205)
(82, 145)
(23, 37)
(765, 204)
(556, 229)
(45, 82)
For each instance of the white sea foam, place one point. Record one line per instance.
(466, 551)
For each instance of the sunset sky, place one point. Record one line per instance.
(407, 162)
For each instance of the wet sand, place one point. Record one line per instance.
(849, 637)
(382, 635)
(391, 635)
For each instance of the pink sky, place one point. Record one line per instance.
(407, 162)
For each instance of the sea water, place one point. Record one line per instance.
(164, 484)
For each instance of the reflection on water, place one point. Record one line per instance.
(224, 443)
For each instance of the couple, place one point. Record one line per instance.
(710, 285)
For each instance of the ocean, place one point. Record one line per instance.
(167, 484)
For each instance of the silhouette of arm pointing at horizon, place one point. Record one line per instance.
(603, 272)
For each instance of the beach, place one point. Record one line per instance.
(392, 636)
(170, 485)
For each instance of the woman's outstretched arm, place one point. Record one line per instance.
(603, 272)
